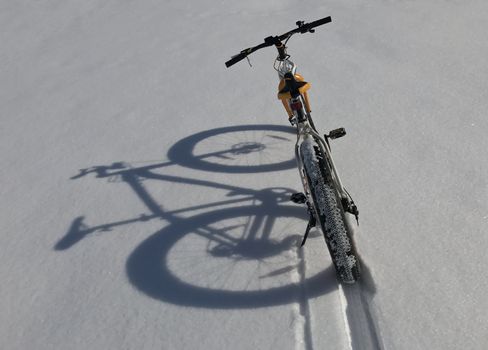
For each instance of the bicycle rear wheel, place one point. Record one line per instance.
(329, 212)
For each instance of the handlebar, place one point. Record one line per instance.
(276, 40)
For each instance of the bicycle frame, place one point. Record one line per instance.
(306, 130)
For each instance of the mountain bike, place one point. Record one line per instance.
(326, 198)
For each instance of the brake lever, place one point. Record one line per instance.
(301, 24)
(249, 61)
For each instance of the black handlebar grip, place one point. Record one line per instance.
(235, 59)
(319, 22)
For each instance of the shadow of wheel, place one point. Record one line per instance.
(244, 149)
(154, 267)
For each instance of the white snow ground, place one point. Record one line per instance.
(177, 233)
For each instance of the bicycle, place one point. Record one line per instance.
(326, 198)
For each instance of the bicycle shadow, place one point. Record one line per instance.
(183, 152)
(148, 266)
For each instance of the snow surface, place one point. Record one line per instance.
(144, 185)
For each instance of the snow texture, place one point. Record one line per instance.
(145, 186)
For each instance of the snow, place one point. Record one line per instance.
(131, 219)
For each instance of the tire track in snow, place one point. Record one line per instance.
(304, 306)
(301, 310)
(359, 316)
(301, 323)
(358, 311)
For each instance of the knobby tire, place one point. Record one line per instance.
(330, 213)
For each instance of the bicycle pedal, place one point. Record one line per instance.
(298, 198)
(336, 133)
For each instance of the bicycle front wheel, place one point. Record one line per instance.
(329, 212)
